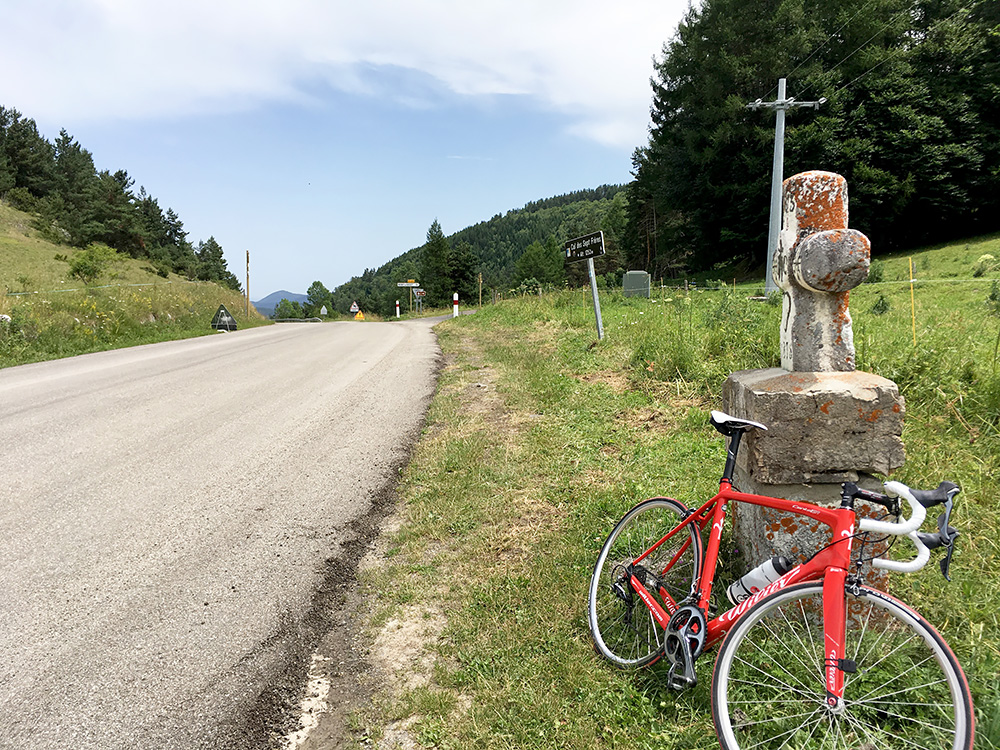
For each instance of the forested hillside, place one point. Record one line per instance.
(75, 204)
(521, 247)
(911, 118)
(908, 96)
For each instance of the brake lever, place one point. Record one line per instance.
(948, 535)
(945, 536)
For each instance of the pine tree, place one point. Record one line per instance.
(543, 262)
(435, 271)
(464, 267)
(910, 120)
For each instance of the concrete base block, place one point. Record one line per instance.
(823, 427)
(761, 532)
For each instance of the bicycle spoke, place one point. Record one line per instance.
(803, 690)
(775, 719)
(792, 626)
(894, 650)
(881, 698)
(882, 732)
(913, 720)
(812, 644)
(802, 685)
(912, 694)
(787, 734)
(856, 723)
(895, 678)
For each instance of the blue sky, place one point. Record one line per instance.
(326, 136)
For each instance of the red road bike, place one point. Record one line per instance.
(815, 659)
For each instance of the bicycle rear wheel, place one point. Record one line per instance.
(908, 691)
(623, 628)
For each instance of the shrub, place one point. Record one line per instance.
(993, 298)
(21, 199)
(984, 265)
(881, 306)
(89, 264)
(876, 272)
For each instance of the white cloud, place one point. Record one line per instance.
(72, 59)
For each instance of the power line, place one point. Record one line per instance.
(893, 53)
(827, 40)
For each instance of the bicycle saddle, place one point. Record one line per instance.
(727, 425)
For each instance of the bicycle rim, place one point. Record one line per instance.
(623, 628)
(908, 691)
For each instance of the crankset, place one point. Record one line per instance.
(683, 642)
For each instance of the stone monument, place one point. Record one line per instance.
(827, 422)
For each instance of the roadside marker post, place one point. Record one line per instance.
(397, 308)
(587, 248)
(454, 305)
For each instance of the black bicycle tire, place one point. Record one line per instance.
(954, 678)
(599, 631)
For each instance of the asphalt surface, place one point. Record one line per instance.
(173, 518)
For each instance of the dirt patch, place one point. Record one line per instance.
(399, 650)
(616, 380)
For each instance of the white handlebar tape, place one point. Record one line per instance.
(907, 527)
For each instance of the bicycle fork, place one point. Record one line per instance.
(836, 664)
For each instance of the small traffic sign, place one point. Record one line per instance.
(408, 283)
(354, 307)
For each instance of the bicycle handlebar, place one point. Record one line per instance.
(907, 528)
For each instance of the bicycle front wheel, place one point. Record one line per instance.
(623, 628)
(908, 690)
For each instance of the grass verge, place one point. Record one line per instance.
(540, 439)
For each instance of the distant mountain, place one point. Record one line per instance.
(266, 306)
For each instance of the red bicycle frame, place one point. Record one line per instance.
(829, 565)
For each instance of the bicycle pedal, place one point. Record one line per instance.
(680, 682)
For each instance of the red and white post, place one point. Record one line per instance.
(397, 308)
(454, 305)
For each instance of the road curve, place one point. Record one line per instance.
(168, 514)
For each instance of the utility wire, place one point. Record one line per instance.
(827, 40)
(892, 54)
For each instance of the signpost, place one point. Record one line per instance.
(354, 307)
(413, 285)
(587, 248)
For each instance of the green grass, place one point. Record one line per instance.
(540, 438)
(54, 316)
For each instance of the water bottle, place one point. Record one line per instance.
(767, 572)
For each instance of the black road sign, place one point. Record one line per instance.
(588, 246)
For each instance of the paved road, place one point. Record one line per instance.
(171, 515)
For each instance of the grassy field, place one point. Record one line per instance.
(54, 316)
(540, 438)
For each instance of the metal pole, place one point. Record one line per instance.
(248, 283)
(777, 177)
(597, 301)
(777, 172)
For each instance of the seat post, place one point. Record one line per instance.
(731, 450)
